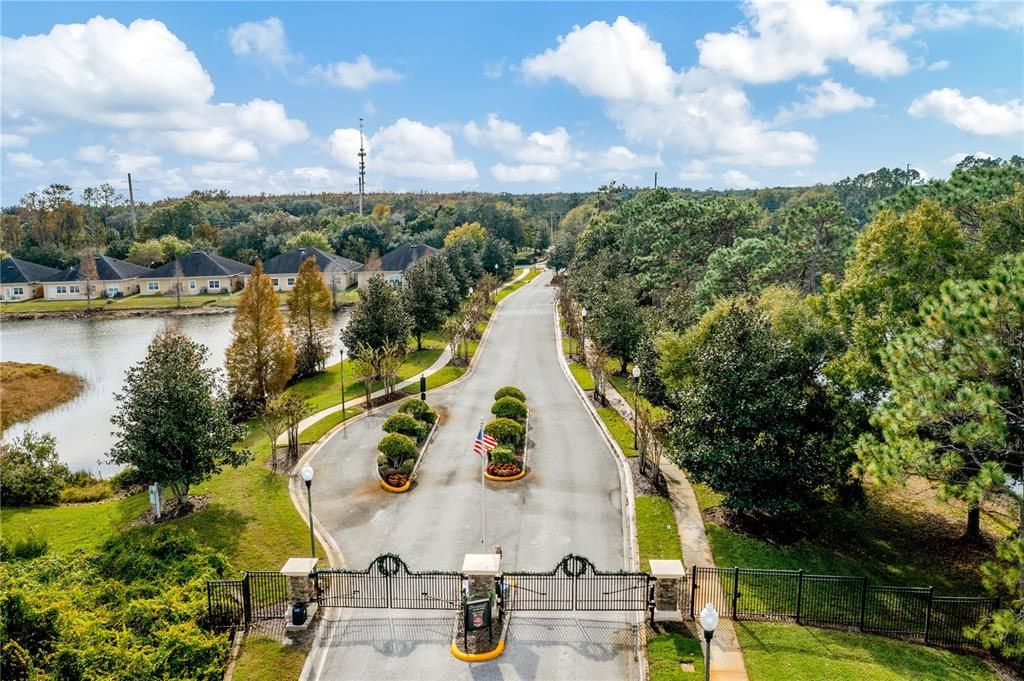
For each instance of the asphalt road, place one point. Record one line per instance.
(569, 502)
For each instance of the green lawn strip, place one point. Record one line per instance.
(321, 427)
(582, 375)
(706, 497)
(511, 288)
(436, 379)
(787, 652)
(666, 651)
(71, 527)
(266, 659)
(134, 302)
(624, 385)
(656, 531)
(619, 429)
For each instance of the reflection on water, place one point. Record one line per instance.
(100, 351)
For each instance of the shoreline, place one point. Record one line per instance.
(103, 314)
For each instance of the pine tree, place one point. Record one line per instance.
(309, 319)
(261, 357)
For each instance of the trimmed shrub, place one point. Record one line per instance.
(397, 448)
(510, 391)
(406, 425)
(503, 454)
(506, 431)
(407, 466)
(509, 407)
(419, 410)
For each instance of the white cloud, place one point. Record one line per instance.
(405, 149)
(954, 159)
(972, 114)
(496, 133)
(696, 169)
(268, 120)
(214, 142)
(494, 69)
(622, 159)
(694, 112)
(933, 16)
(525, 172)
(826, 98)
(617, 62)
(120, 161)
(23, 161)
(940, 65)
(9, 140)
(264, 40)
(357, 75)
(739, 180)
(783, 40)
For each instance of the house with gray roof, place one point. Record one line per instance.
(115, 278)
(194, 274)
(394, 264)
(22, 280)
(339, 273)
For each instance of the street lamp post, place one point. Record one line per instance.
(636, 406)
(583, 336)
(344, 356)
(708, 621)
(307, 476)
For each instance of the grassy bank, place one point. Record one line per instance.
(265, 659)
(30, 389)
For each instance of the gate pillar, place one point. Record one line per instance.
(480, 569)
(301, 589)
(669, 576)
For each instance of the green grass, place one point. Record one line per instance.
(67, 528)
(656, 531)
(437, 379)
(666, 650)
(620, 430)
(582, 375)
(324, 425)
(134, 302)
(265, 659)
(513, 287)
(787, 652)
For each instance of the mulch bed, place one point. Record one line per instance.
(173, 510)
(642, 485)
(479, 641)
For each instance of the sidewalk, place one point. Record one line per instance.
(726, 655)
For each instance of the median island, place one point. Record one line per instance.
(30, 389)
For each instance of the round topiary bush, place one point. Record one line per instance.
(397, 448)
(509, 407)
(510, 391)
(503, 454)
(420, 410)
(406, 425)
(506, 431)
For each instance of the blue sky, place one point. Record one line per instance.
(266, 97)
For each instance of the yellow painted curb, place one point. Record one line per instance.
(396, 490)
(494, 478)
(478, 657)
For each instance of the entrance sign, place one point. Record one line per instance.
(478, 614)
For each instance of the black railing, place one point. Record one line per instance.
(911, 613)
(388, 583)
(575, 584)
(240, 602)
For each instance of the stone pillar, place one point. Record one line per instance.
(669, 575)
(300, 589)
(480, 570)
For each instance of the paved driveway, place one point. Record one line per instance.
(570, 502)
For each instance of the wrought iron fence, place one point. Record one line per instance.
(240, 602)
(388, 583)
(912, 613)
(575, 584)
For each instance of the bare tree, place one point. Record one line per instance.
(178, 275)
(88, 274)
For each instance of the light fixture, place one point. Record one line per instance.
(636, 372)
(307, 473)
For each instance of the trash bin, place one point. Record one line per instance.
(298, 613)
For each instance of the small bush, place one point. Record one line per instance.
(506, 431)
(509, 407)
(397, 448)
(407, 466)
(30, 472)
(28, 547)
(15, 663)
(80, 494)
(419, 410)
(510, 391)
(406, 425)
(127, 478)
(503, 454)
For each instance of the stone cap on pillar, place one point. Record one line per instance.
(298, 567)
(482, 564)
(667, 569)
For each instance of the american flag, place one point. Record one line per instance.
(483, 442)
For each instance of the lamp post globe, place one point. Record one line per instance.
(307, 477)
(307, 474)
(636, 373)
(636, 408)
(708, 621)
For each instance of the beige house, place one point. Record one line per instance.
(339, 273)
(394, 264)
(116, 278)
(23, 280)
(197, 273)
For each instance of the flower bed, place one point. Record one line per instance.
(409, 431)
(507, 461)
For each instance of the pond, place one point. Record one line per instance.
(100, 351)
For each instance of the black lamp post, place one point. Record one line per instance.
(307, 476)
(708, 622)
(344, 354)
(583, 336)
(636, 406)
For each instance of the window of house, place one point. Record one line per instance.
(74, 288)
(213, 284)
(62, 290)
(112, 289)
(192, 285)
(153, 286)
(275, 282)
(19, 291)
(291, 281)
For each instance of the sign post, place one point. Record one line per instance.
(154, 499)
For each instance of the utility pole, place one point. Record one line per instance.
(362, 167)
(655, 179)
(131, 202)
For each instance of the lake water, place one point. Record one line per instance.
(100, 351)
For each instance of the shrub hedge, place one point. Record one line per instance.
(419, 410)
(509, 407)
(397, 448)
(506, 431)
(406, 425)
(510, 391)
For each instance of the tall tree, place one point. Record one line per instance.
(171, 417)
(425, 301)
(309, 239)
(378, 318)
(818, 237)
(616, 323)
(309, 318)
(89, 276)
(261, 357)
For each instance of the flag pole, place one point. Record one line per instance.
(483, 506)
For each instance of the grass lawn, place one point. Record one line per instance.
(30, 389)
(134, 302)
(787, 652)
(656, 531)
(620, 430)
(511, 288)
(436, 379)
(264, 659)
(582, 375)
(665, 652)
(321, 427)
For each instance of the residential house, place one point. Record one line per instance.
(394, 264)
(115, 278)
(339, 273)
(196, 273)
(22, 280)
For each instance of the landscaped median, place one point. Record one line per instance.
(508, 460)
(401, 450)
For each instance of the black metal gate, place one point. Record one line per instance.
(388, 583)
(240, 602)
(575, 584)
